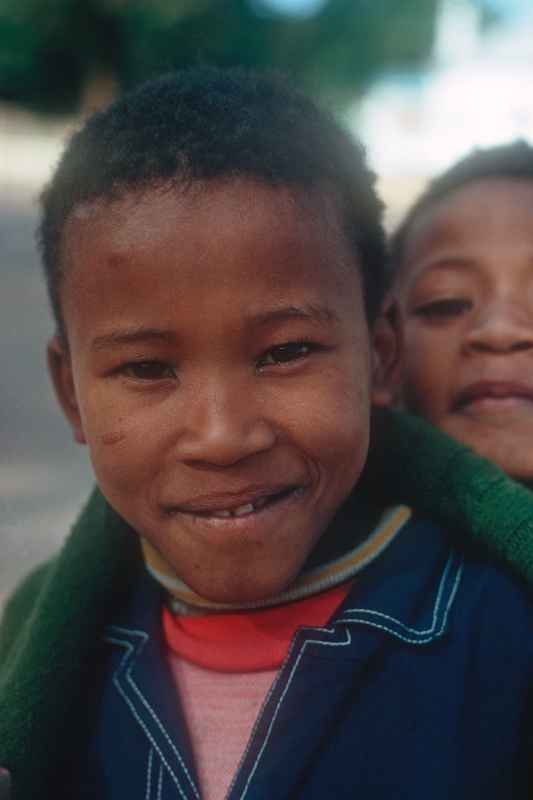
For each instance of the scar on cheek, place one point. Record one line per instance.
(112, 437)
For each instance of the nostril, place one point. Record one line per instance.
(499, 336)
(224, 440)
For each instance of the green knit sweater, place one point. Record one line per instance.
(50, 631)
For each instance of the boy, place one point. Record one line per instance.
(463, 294)
(240, 616)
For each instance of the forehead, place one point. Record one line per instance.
(490, 215)
(138, 218)
(505, 202)
(205, 244)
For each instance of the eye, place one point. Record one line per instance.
(285, 353)
(148, 370)
(441, 310)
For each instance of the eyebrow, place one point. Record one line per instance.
(132, 336)
(316, 314)
(310, 313)
(454, 263)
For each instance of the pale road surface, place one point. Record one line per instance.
(44, 475)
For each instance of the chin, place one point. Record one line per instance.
(517, 468)
(242, 592)
(518, 473)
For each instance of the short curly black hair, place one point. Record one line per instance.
(512, 160)
(207, 123)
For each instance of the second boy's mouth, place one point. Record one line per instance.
(230, 507)
(487, 395)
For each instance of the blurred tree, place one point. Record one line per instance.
(51, 49)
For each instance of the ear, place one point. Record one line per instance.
(387, 344)
(60, 369)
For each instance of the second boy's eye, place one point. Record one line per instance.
(285, 353)
(441, 310)
(148, 370)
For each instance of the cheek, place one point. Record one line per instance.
(426, 369)
(120, 441)
(332, 418)
(105, 421)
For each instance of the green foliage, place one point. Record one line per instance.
(50, 48)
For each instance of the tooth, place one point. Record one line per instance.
(223, 514)
(242, 510)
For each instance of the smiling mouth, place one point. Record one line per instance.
(240, 509)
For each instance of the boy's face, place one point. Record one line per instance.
(219, 369)
(465, 302)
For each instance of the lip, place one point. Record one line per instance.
(260, 524)
(207, 505)
(492, 391)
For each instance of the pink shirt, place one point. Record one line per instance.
(220, 709)
(223, 666)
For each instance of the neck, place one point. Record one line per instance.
(356, 536)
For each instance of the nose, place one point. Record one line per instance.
(222, 426)
(501, 328)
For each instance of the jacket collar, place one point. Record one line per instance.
(409, 595)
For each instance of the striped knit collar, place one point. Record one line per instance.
(315, 577)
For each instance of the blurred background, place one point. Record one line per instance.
(420, 81)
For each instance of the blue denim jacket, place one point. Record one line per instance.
(420, 686)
